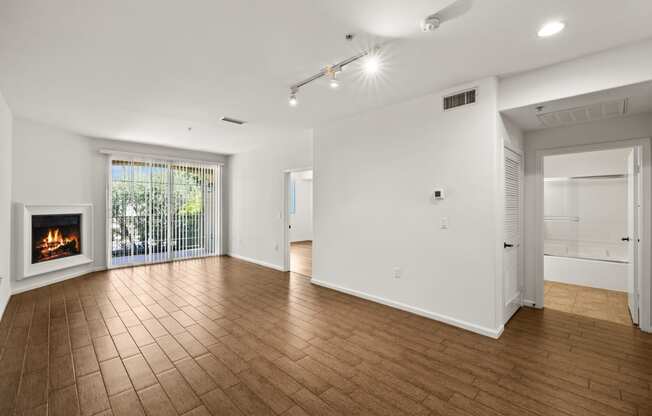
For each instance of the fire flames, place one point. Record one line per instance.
(55, 244)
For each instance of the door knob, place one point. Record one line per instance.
(505, 245)
(624, 239)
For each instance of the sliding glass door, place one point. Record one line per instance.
(162, 211)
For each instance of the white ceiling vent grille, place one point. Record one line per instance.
(593, 112)
(460, 99)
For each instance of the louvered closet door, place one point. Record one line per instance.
(512, 232)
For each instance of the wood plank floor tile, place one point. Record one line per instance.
(126, 403)
(222, 336)
(181, 394)
(92, 395)
(156, 402)
(218, 403)
(115, 376)
(63, 402)
(139, 372)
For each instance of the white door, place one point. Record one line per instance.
(512, 293)
(631, 239)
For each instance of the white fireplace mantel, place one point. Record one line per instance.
(25, 212)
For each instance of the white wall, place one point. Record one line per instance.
(606, 162)
(374, 175)
(5, 203)
(639, 126)
(256, 199)
(599, 204)
(301, 220)
(609, 69)
(512, 136)
(54, 166)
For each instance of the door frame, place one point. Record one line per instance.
(644, 273)
(218, 227)
(285, 215)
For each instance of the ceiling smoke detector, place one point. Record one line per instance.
(431, 23)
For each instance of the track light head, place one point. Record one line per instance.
(293, 98)
(333, 82)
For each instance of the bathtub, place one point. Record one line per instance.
(598, 273)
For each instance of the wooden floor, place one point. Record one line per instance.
(607, 305)
(225, 337)
(301, 257)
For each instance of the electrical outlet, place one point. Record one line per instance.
(443, 223)
(397, 272)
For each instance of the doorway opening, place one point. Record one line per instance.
(299, 222)
(591, 233)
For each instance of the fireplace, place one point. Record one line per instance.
(55, 237)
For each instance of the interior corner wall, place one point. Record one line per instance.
(373, 214)
(55, 166)
(6, 121)
(633, 127)
(256, 199)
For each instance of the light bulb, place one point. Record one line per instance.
(371, 64)
(334, 83)
(551, 28)
(293, 100)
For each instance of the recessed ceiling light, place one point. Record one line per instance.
(551, 28)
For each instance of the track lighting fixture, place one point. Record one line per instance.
(332, 76)
(371, 66)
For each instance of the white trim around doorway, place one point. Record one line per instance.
(645, 276)
(286, 213)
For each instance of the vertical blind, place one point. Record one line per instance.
(162, 211)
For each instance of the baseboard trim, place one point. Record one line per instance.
(258, 262)
(493, 333)
(57, 279)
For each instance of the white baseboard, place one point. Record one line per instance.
(645, 328)
(493, 333)
(258, 262)
(57, 279)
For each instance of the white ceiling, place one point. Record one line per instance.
(638, 96)
(146, 70)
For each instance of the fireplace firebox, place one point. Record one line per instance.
(56, 236)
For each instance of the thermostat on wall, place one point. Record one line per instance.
(438, 194)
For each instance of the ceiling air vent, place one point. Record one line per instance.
(593, 112)
(233, 121)
(459, 99)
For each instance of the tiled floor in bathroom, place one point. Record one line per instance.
(607, 305)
